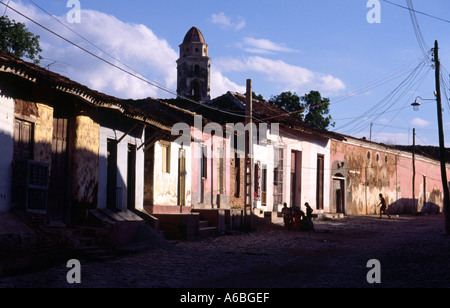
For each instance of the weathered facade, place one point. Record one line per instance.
(361, 170)
(70, 156)
(290, 161)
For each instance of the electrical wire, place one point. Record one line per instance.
(6, 9)
(380, 107)
(419, 12)
(418, 33)
(120, 68)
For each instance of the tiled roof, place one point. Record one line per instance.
(426, 151)
(230, 108)
(194, 36)
(151, 111)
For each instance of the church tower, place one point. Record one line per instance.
(194, 67)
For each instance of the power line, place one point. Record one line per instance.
(363, 88)
(418, 33)
(415, 11)
(381, 106)
(120, 68)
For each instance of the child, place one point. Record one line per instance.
(383, 207)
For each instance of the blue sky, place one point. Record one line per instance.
(371, 72)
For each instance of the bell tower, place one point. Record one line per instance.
(194, 67)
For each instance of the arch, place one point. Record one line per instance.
(338, 193)
(195, 90)
(197, 70)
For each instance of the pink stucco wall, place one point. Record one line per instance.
(370, 169)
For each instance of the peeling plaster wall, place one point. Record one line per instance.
(43, 134)
(165, 188)
(212, 198)
(85, 137)
(370, 169)
(6, 151)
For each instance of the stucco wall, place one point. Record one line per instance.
(43, 134)
(85, 160)
(370, 169)
(212, 197)
(165, 187)
(122, 166)
(6, 151)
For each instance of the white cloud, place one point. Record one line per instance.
(222, 84)
(420, 122)
(226, 22)
(263, 46)
(133, 44)
(287, 76)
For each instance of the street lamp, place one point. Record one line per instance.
(416, 105)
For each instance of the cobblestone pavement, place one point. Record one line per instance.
(413, 252)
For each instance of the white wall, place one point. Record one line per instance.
(6, 151)
(310, 148)
(122, 164)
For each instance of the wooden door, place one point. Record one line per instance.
(131, 177)
(58, 206)
(182, 177)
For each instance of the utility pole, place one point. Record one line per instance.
(414, 173)
(248, 191)
(441, 139)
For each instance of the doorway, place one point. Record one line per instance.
(58, 206)
(111, 189)
(296, 183)
(131, 177)
(339, 193)
(181, 177)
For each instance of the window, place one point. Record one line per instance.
(204, 162)
(23, 140)
(264, 185)
(278, 176)
(220, 173)
(165, 157)
(237, 173)
(256, 181)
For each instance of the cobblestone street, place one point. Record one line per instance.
(413, 252)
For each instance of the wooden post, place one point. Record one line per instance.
(414, 173)
(441, 139)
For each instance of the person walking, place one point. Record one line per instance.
(309, 223)
(383, 207)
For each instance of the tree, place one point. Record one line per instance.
(318, 108)
(310, 108)
(17, 40)
(290, 102)
(258, 97)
